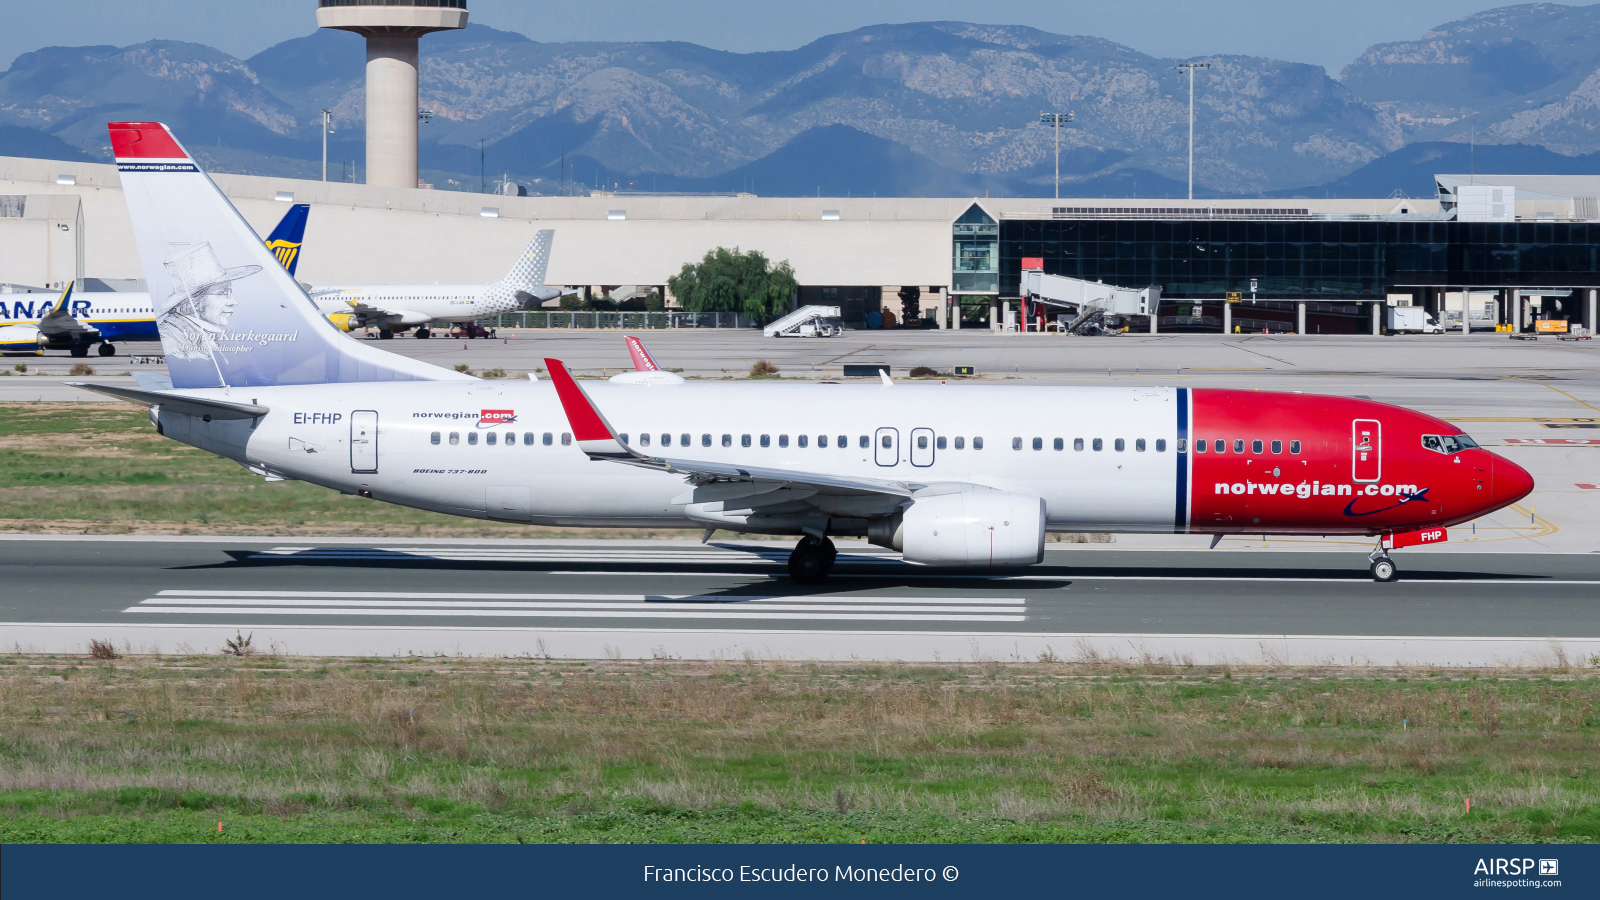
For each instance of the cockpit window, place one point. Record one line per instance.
(1448, 443)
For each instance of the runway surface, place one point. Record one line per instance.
(642, 599)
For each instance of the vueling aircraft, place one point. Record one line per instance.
(947, 474)
(393, 308)
(103, 317)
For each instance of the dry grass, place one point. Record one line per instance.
(1056, 744)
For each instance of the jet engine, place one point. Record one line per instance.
(343, 321)
(967, 528)
(22, 338)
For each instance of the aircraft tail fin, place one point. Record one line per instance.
(642, 360)
(228, 313)
(285, 240)
(528, 273)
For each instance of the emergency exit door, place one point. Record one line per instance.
(886, 447)
(1366, 464)
(364, 441)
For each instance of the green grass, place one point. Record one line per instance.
(539, 751)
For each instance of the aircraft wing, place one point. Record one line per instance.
(596, 438)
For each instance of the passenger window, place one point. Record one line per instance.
(938, 443)
(472, 437)
(865, 442)
(977, 443)
(766, 440)
(783, 440)
(1161, 445)
(683, 440)
(1294, 446)
(727, 440)
(801, 441)
(1077, 444)
(1277, 446)
(455, 438)
(961, 443)
(1038, 443)
(1238, 446)
(744, 440)
(1099, 445)
(666, 440)
(1139, 445)
(489, 438)
(566, 438)
(1016, 443)
(623, 438)
(527, 438)
(433, 438)
(922, 442)
(822, 441)
(644, 439)
(547, 438)
(1120, 445)
(886, 442)
(1255, 446)
(1059, 444)
(844, 442)
(1199, 446)
(705, 440)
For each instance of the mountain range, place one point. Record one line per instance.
(932, 108)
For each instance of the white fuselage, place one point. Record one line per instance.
(431, 445)
(418, 304)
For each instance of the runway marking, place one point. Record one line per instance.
(583, 606)
(492, 554)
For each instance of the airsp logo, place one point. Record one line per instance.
(1549, 867)
(1514, 867)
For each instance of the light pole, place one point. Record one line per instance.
(483, 179)
(327, 129)
(1191, 67)
(1054, 119)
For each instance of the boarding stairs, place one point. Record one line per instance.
(809, 321)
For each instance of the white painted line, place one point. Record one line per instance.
(585, 598)
(575, 608)
(841, 616)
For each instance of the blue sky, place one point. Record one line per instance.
(1329, 33)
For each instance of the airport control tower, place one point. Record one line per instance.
(392, 28)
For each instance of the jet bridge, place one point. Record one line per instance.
(1092, 301)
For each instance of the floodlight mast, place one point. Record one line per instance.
(1054, 119)
(1191, 67)
(327, 129)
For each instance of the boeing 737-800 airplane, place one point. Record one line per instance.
(397, 307)
(948, 474)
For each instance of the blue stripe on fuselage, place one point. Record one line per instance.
(1180, 518)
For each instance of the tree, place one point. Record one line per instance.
(730, 281)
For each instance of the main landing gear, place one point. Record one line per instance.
(1383, 568)
(811, 560)
(108, 349)
(423, 334)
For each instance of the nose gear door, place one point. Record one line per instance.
(886, 447)
(1366, 463)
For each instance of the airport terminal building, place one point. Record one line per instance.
(1507, 249)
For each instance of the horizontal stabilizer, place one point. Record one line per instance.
(179, 403)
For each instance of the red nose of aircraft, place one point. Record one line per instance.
(1508, 482)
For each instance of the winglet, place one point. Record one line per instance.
(66, 295)
(642, 360)
(594, 435)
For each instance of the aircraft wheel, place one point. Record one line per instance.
(810, 561)
(79, 350)
(423, 334)
(385, 335)
(1383, 569)
(108, 349)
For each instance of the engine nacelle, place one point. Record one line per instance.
(21, 338)
(974, 528)
(343, 321)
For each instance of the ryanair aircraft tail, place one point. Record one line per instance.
(228, 313)
(285, 240)
(528, 273)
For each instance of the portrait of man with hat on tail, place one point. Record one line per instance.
(201, 302)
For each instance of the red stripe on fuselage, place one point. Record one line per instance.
(1315, 491)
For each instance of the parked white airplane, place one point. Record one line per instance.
(399, 307)
(949, 474)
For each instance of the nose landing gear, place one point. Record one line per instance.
(1383, 568)
(812, 560)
